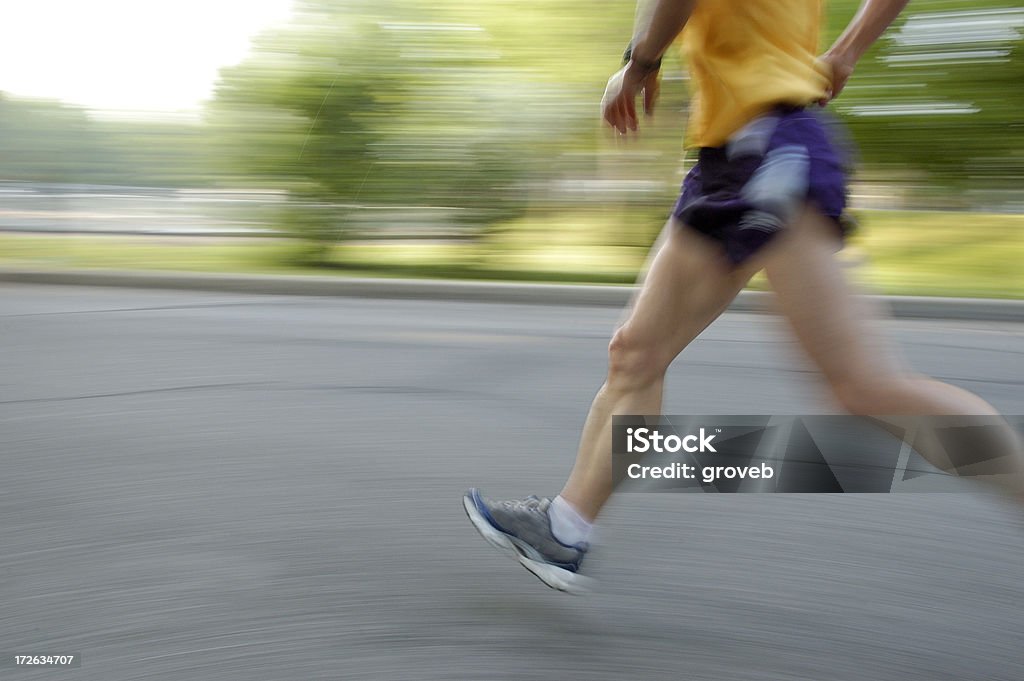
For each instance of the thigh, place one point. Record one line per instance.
(686, 285)
(837, 329)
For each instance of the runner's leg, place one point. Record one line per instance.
(687, 286)
(837, 331)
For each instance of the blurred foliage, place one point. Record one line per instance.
(46, 141)
(390, 103)
(437, 113)
(940, 95)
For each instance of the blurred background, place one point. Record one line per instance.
(439, 138)
(225, 485)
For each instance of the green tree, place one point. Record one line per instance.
(390, 103)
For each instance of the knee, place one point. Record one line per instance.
(632, 362)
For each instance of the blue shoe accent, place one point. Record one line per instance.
(478, 501)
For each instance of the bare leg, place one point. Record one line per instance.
(837, 330)
(688, 285)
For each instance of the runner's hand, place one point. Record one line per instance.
(618, 106)
(841, 68)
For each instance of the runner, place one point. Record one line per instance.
(768, 192)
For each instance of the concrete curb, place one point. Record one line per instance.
(474, 291)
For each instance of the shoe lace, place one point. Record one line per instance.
(530, 503)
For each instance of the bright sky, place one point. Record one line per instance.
(138, 55)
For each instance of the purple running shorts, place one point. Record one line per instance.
(741, 194)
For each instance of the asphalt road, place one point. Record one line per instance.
(215, 486)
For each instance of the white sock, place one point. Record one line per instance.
(568, 526)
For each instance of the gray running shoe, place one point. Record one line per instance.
(522, 527)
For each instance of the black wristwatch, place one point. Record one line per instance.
(647, 66)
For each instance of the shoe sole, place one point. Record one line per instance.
(554, 577)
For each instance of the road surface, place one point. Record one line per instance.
(217, 486)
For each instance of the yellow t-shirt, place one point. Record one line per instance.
(746, 56)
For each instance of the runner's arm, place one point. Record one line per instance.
(658, 22)
(870, 22)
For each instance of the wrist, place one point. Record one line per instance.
(634, 57)
(640, 71)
